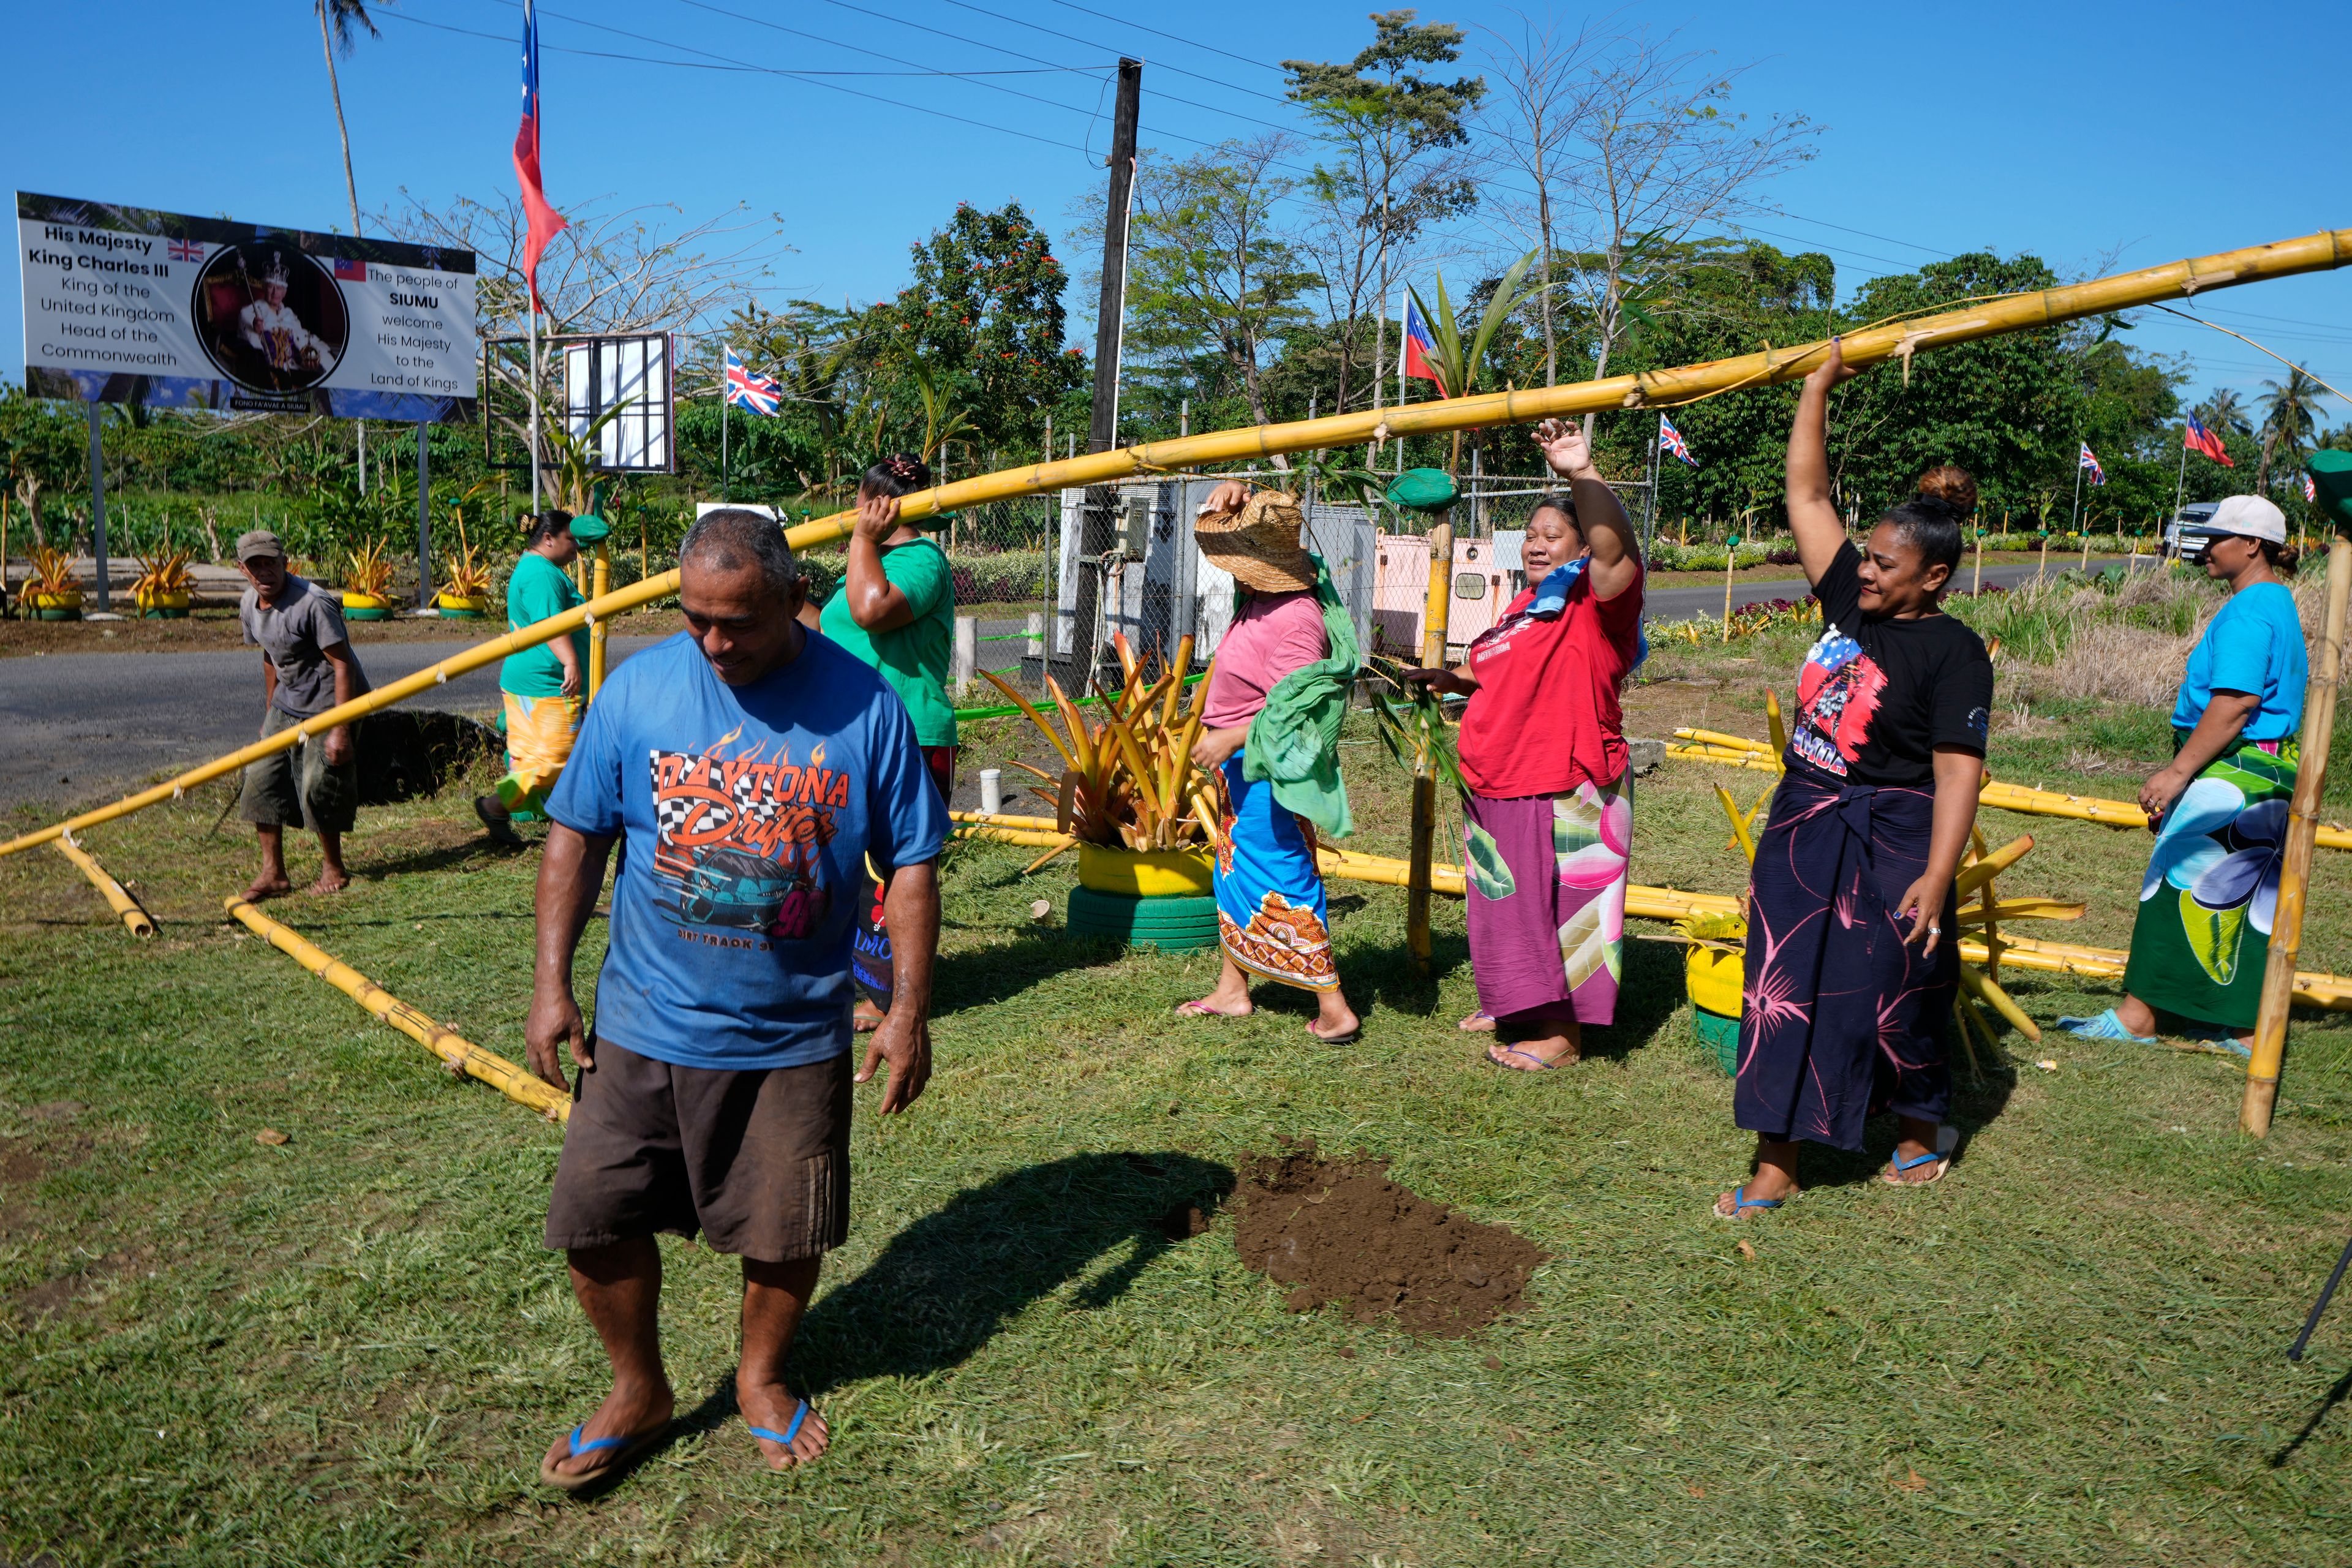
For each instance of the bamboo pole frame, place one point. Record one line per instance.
(117, 899)
(2301, 833)
(2322, 251)
(601, 583)
(464, 1058)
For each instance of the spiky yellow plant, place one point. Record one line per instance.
(166, 573)
(1129, 782)
(368, 570)
(466, 574)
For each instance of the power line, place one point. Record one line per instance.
(1173, 37)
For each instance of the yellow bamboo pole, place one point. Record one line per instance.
(2301, 831)
(465, 1057)
(1779, 727)
(1741, 840)
(1973, 982)
(1718, 738)
(2322, 251)
(602, 584)
(117, 898)
(1988, 867)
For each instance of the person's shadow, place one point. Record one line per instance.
(942, 1286)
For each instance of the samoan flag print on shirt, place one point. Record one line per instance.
(1837, 695)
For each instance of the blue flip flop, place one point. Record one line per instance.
(1947, 1139)
(623, 1449)
(783, 1439)
(1541, 1065)
(1741, 1203)
(2106, 1026)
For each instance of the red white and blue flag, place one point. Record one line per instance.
(1671, 440)
(2198, 439)
(1420, 344)
(546, 223)
(187, 249)
(2088, 461)
(350, 271)
(749, 389)
(2310, 490)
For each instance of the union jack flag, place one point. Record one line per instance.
(2089, 461)
(1671, 440)
(749, 389)
(186, 250)
(2310, 490)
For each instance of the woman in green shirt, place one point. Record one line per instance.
(896, 610)
(542, 687)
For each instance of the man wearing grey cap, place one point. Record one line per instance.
(307, 668)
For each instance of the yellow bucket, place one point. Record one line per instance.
(1145, 873)
(1715, 975)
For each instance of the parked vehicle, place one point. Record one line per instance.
(2185, 536)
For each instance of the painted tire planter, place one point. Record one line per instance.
(65, 605)
(169, 606)
(463, 607)
(1162, 898)
(1713, 976)
(366, 607)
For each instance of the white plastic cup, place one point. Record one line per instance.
(991, 791)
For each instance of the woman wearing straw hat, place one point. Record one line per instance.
(1548, 823)
(1271, 727)
(2220, 807)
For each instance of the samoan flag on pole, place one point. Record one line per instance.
(1671, 440)
(2198, 439)
(2088, 461)
(749, 389)
(546, 223)
(1419, 343)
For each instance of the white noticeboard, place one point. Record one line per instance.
(129, 304)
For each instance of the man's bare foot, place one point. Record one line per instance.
(267, 886)
(772, 1405)
(331, 881)
(865, 1018)
(623, 1415)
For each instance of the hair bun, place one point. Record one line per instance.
(1955, 487)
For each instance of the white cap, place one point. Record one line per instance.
(2249, 517)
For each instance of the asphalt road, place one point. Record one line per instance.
(84, 725)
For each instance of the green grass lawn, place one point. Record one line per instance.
(350, 1349)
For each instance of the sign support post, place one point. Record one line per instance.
(423, 517)
(98, 506)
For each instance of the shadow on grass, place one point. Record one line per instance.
(983, 976)
(2336, 1397)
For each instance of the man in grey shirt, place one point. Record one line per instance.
(307, 668)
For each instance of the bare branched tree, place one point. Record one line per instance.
(1660, 157)
(1533, 125)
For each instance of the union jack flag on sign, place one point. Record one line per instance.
(749, 389)
(2310, 490)
(2089, 462)
(1671, 440)
(187, 249)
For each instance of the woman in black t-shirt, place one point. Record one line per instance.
(1848, 982)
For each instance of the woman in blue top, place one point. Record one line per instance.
(2219, 809)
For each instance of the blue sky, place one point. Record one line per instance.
(2145, 130)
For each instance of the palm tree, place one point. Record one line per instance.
(2224, 413)
(336, 20)
(2288, 422)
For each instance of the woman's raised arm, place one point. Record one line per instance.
(1812, 515)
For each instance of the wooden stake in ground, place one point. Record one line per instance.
(1436, 617)
(1730, 566)
(2044, 570)
(1975, 583)
(2331, 472)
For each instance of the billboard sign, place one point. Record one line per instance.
(133, 305)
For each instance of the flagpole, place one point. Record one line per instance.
(1650, 534)
(534, 398)
(2179, 483)
(729, 353)
(2078, 488)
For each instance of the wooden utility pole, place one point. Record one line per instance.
(1098, 520)
(2331, 472)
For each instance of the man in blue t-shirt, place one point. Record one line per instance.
(749, 768)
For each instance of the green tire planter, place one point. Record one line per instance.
(1719, 1036)
(375, 613)
(50, 615)
(1179, 924)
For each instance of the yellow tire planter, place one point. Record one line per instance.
(462, 607)
(55, 604)
(1714, 977)
(171, 604)
(366, 607)
(1147, 873)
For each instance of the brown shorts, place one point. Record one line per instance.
(757, 1160)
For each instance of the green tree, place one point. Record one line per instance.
(2224, 412)
(337, 20)
(2289, 422)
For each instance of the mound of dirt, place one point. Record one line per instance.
(1345, 1233)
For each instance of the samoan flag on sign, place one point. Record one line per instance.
(1671, 440)
(1419, 343)
(749, 389)
(2089, 462)
(348, 271)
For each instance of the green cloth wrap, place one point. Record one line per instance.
(1294, 742)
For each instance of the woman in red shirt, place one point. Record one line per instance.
(1548, 822)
